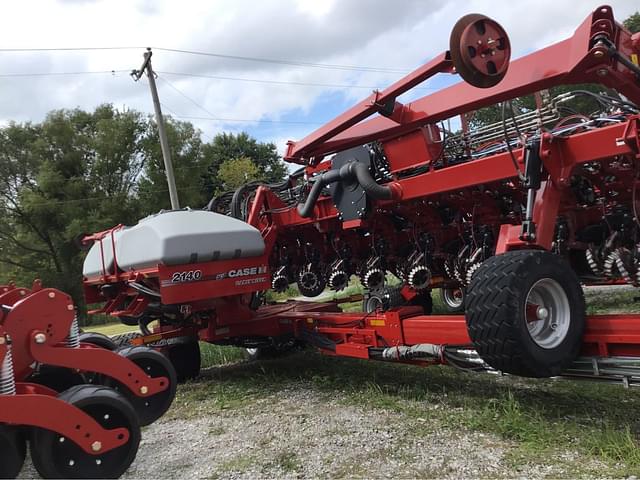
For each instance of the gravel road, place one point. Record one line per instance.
(301, 433)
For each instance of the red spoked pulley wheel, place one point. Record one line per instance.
(480, 50)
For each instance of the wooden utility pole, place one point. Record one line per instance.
(164, 143)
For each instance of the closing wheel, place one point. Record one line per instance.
(480, 50)
(98, 339)
(525, 313)
(13, 449)
(155, 365)
(57, 378)
(453, 299)
(55, 456)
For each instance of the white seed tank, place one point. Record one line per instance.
(174, 238)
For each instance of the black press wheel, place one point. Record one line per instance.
(155, 365)
(55, 456)
(13, 450)
(98, 339)
(525, 313)
(452, 299)
(57, 378)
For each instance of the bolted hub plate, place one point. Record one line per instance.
(480, 50)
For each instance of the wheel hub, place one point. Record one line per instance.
(547, 313)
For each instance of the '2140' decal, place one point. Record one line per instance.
(189, 276)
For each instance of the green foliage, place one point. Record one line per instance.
(189, 166)
(75, 172)
(228, 146)
(236, 172)
(633, 22)
(79, 172)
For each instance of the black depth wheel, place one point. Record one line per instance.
(55, 456)
(186, 360)
(98, 339)
(525, 313)
(13, 450)
(57, 378)
(155, 365)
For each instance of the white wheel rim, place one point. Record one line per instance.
(547, 313)
(451, 299)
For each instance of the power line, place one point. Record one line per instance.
(172, 112)
(277, 82)
(53, 74)
(198, 75)
(297, 63)
(249, 120)
(65, 49)
(212, 116)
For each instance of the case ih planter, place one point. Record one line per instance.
(515, 216)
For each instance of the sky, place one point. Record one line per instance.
(312, 47)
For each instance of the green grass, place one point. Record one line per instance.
(541, 418)
(110, 329)
(213, 355)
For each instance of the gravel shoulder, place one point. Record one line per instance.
(301, 432)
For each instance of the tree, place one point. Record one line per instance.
(75, 172)
(632, 23)
(188, 165)
(228, 146)
(238, 171)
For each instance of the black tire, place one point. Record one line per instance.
(124, 339)
(452, 299)
(57, 378)
(99, 340)
(53, 458)
(382, 300)
(186, 360)
(391, 297)
(13, 450)
(496, 312)
(155, 364)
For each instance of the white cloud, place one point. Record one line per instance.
(379, 33)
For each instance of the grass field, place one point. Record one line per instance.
(541, 419)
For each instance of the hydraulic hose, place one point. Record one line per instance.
(348, 173)
(306, 210)
(361, 172)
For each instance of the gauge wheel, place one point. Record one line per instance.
(525, 313)
(55, 456)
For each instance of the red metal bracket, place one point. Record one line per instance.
(52, 414)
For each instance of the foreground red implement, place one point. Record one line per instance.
(78, 401)
(510, 219)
